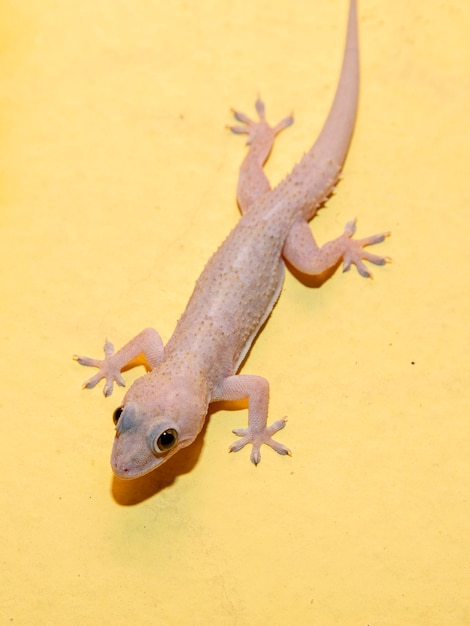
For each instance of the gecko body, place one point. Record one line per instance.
(164, 410)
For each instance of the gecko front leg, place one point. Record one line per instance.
(148, 343)
(256, 389)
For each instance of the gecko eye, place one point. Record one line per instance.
(117, 414)
(165, 441)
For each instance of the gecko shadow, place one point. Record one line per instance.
(314, 281)
(137, 490)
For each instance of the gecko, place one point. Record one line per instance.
(164, 410)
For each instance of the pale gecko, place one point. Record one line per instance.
(164, 410)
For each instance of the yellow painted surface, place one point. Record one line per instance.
(117, 182)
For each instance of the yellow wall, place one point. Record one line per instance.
(117, 182)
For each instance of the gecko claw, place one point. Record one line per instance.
(354, 252)
(257, 439)
(107, 370)
(255, 129)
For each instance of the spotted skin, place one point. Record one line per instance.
(164, 410)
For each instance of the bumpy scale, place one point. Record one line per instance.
(164, 410)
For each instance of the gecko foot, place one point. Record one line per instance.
(258, 438)
(108, 369)
(261, 128)
(354, 252)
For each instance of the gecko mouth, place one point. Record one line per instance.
(129, 471)
(128, 466)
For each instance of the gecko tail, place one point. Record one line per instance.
(335, 137)
(317, 173)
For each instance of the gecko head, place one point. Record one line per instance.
(149, 433)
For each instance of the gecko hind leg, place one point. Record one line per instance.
(253, 182)
(303, 253)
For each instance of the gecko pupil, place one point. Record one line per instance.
(167, 439)
(117, 414)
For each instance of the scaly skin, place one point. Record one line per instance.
(165, 410)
